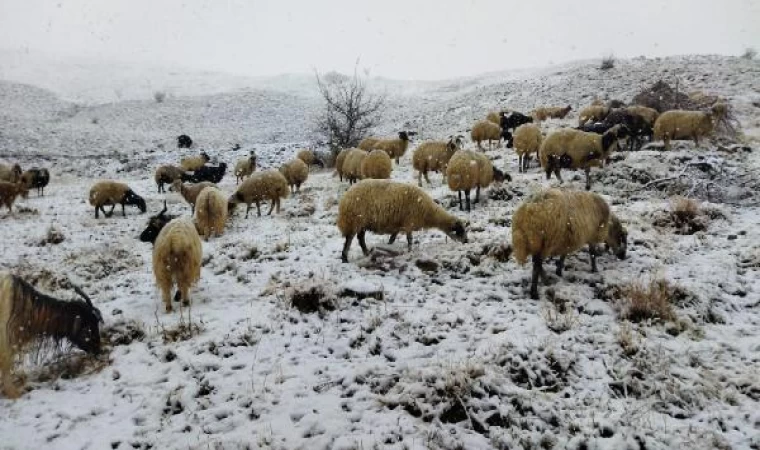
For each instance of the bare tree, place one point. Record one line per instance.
(350, 109)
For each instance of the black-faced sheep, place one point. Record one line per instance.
(296, 171)
(394, 147)
(309, 158)
(10, 191)
(113, 193)
(210, 212)
(190, 191)
(592, 114)
(245, 167)
(352, 165)
(468, 170)
(27, 315)
(10, 174)
(168, 174)
(527, 140)
(678, 125)
(388, 207)
(36, 178)
(574, 149)
(557, 223)
(550, 112)
(184, 141)
(193, 163)
(488, 131)
(514, 120)
(214, 174)
(434, 156)
(635, 125)
(177, 255)
(377, 164)
(269, 185)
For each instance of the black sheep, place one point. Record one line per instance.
(213, 174)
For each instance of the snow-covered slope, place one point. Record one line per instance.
(453, 354)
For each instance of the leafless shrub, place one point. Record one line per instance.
(647, 300)
(159, 96)
(350, 109)
(749, 53)
(608, 62)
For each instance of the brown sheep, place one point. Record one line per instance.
(167, 174)
(677, 125)
(112, 193)
(190, 191)
(211, 212)
(9, 192)
(296, 172)
(434, 156)
(262, 186)
(377, 164)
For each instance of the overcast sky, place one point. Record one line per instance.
(412, 39)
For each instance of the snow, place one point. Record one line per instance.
(453, 356)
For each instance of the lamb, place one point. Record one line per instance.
(245, 167)
(352, 165)
(27, 315)
(213, 174)
(167, 174)
(190, 191)
(296, 172)
(679, 124)
(339, 161)
(11, 174)
(487, 131)
(262, 186)
(389, 207)
(649, 114)
(592, 114)
(541, 114)
(394, 147)
(434, 156)
(377, 164)
(310, 158)
(193, 163)
(469, 170)
(9, 192)
(36, 178)
(574, 149)
(527, 140)
(109, 192)
(211, 212)
(177, 255)
(557, 223)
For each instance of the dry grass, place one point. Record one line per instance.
(559, 318)
(648, 300)
(685, 215)
(628, 340)
(608, 62)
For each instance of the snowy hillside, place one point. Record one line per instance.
(438, 347)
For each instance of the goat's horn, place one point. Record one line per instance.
(86, 298)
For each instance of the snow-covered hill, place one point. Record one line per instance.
(453, 354)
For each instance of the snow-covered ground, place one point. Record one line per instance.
(454, 354)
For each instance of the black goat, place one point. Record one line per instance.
(36, 178)
(637, 126)
(514, 120)
(213, 174)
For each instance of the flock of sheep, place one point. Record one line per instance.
(551, 223)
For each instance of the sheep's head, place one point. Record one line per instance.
(457, 231)
(155, 225)
(499, 176)
(205, 156)
(403, 135)
(85, 331)
(617, 237)
(130, 198)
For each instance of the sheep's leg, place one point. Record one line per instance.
(110, 212)
(467, 197)
(428, 179)
(184, 294)
(666, 140)
(560, 265)
(409, 240)
(9, 389)
(592, 253)
(97, 210)
(519, 163)
(460, 200)
(167, 298)
(271, 207)
(556, 174)
(258, 208)
(346, 246)
(549, 167)
(278, 206)
(588, 178)
(123, 211)
(248, 208)
(392, 239)
(537, 271)
(696, 140)
(360, 236)
(477, 194)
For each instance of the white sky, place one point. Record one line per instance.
(412, 39)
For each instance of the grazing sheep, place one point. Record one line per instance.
(213, 174)
(352, 165)
(210, 212)
(389, 207)
(339, 160)
(261, 186)
(377, 164)
(635, 125)
(245, 167)
(574, 149)
(310, 158)
(649, 114)
(113, 193)
(592, 114)
(184, 141)
(193, 163)
(514, 120)
(9, 192)
(190, 191)
(11, 174)
(177, 255)
(167, 174)
(27, 315)
(557, 223)
(550, 112)
(487, 131)
(36, 178)
(496, 117)
(469, 170)
(679, 124)
(527, 140)
(434, 156)
(394, 147)
(296, 172)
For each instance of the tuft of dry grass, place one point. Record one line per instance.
(628, 340)
(648, 300)
(608, 62)
(685, 215)
(310, 297)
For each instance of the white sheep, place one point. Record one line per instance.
(296, 172)
(112, 193)
(377, 164)
(245, 167)
(526, 141)
(211, 212)
(678, 124)
(434, 156)
(468, 170)
(269, 185)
